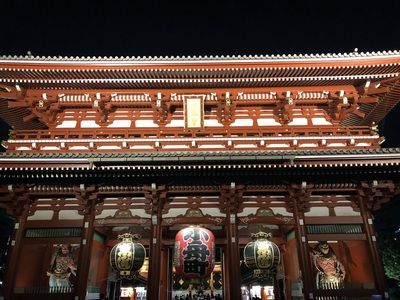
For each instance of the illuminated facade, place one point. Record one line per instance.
(286, 145)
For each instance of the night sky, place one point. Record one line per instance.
(133, 28)
(190, 27)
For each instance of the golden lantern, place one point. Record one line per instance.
(128, 256)
(261, 255)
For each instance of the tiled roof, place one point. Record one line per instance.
(52, 73)
(270, 163)
(209, 155)
(351, 55)
(187, 73)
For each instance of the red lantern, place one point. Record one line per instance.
(194, 252)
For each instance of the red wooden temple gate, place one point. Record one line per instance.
(282, 144)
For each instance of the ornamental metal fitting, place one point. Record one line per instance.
(261, 236)
(129, 237)
(261, 273)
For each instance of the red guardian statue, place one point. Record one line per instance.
(330, 271)
(63, 263)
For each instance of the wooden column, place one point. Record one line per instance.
(302, 248)
(234, 280)
(225, 272)
(298, 195)
(232, 196)
(88, 197)
(16, 207)
(156, 195)
(13, 256)
(153, 284)
(165, 274)
(367, 195)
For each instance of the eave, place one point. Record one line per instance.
(262, 71)
(312, 163)
(372, 79)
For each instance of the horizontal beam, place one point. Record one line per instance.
(336, 237)
(261, 138)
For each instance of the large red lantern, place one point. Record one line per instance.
(194, 252)
(261, 255)
(128, 256)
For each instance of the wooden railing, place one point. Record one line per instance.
(177, 139)
(345, 291)
(43, 292)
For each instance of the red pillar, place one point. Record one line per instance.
(225, 272)
(234, 276)
(13, 256)
(85, 252)
(154, 276)
(165, 275)
(303, 252)
(374, 249)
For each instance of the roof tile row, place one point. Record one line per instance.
(198, 58)
(243, 154)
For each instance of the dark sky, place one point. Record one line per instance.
(201, 27)
(196, 27)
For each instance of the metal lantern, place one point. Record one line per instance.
(194, 252)
(261, 255)
(127, 256)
